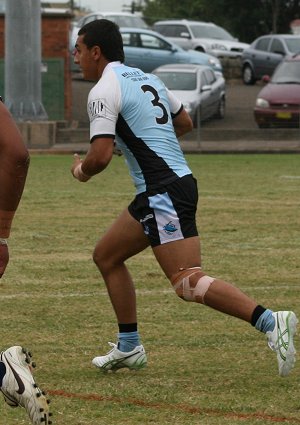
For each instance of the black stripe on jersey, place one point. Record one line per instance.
(102, 136)
(155, 170)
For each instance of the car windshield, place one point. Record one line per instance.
(293, 44)
(178, 80)
(144, 40)
(128, 21)
(210, 31)
(121, 20)
(287, 73)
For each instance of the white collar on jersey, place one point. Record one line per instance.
(111, 65)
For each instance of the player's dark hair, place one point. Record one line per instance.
(107, 36)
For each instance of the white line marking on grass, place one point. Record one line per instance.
(290, 177)
(140, 292)
(227, 198)
(255, 201)
(72, 295)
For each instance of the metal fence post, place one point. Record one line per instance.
(23, 92)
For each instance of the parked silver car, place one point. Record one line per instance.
(202, 36)
(265, 53)
(122, 19)
(198, 87)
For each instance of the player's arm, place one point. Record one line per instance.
(96, 160)
(182, 123)
(14, 162)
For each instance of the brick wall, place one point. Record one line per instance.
(55, 44)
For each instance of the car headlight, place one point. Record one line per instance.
(215, 63)
(262, 103)
(217, 46)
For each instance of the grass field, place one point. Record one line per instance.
(204, 367)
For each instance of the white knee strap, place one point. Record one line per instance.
(192, 284)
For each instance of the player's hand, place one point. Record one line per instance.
(77, 171)
(76, 162)
(4, 258)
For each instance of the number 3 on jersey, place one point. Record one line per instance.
(155, 102)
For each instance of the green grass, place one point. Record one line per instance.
(204, 368)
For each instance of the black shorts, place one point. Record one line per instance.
(169, 213)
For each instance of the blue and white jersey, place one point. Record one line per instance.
(136, 109)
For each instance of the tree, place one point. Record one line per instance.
(245, 20)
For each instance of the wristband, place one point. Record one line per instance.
(79, 174)
(3, 241)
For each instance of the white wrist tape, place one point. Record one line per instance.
(79, 174)
(3, 241)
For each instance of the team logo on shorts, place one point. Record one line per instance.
(170, 228)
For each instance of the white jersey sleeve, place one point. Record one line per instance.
(104, 104)
(174, 102)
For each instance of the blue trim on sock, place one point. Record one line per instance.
(127, 341)
(266, 322)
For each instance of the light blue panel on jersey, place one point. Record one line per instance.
(145, 108)
(142, 108)
(168, 224)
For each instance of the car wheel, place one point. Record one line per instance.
(200, 49)
(248, 75)
(221, 109)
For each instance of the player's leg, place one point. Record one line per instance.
(177, 249)
(180, 259)
(124, 239)
(191, 283)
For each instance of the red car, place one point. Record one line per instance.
(278, 103)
